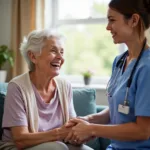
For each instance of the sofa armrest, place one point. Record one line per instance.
(99, 108)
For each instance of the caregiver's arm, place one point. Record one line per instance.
(99, 118)
(140, 130)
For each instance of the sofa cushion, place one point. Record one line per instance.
(84, 101)
(84, 104)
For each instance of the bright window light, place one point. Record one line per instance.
(89, 45)
(81, 9)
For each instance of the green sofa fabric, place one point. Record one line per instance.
(84, 101)
(84, 104)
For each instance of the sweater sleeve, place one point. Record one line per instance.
(14, 109)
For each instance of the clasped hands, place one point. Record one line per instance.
(81, 131)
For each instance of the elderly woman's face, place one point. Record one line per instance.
(51, 57)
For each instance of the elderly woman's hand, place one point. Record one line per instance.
(70, 124)
(62, 132)
(69, 139)
(81, 132)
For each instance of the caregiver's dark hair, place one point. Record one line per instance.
(130, 7)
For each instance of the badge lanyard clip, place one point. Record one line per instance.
(126, 102)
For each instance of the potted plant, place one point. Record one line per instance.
(87, 74)
(5, 55)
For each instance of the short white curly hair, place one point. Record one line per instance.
(35, 42)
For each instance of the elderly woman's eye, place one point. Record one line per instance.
(53, 50)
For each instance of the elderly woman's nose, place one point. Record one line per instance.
(59, 54)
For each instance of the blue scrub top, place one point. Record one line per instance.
(138, 97)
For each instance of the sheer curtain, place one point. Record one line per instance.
(24, 20)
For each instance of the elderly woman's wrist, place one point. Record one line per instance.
(57, 133)
(61, 133)
(53, 135)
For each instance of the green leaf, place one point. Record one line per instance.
(6, 55)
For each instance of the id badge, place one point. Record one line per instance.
(123, 109)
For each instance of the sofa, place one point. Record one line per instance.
(84, 103)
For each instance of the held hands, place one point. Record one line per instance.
(81, 130)
(62, 132)
(68, 138)
(71, 123)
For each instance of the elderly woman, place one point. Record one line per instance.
(38, 103)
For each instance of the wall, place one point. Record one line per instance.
(5, 22)
(101, 98)
(5, 29)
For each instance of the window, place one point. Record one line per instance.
(88, 48)
(89, 45)
(77, 9)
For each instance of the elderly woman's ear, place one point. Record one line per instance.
(32, 57)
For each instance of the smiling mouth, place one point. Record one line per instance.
(56, 65)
